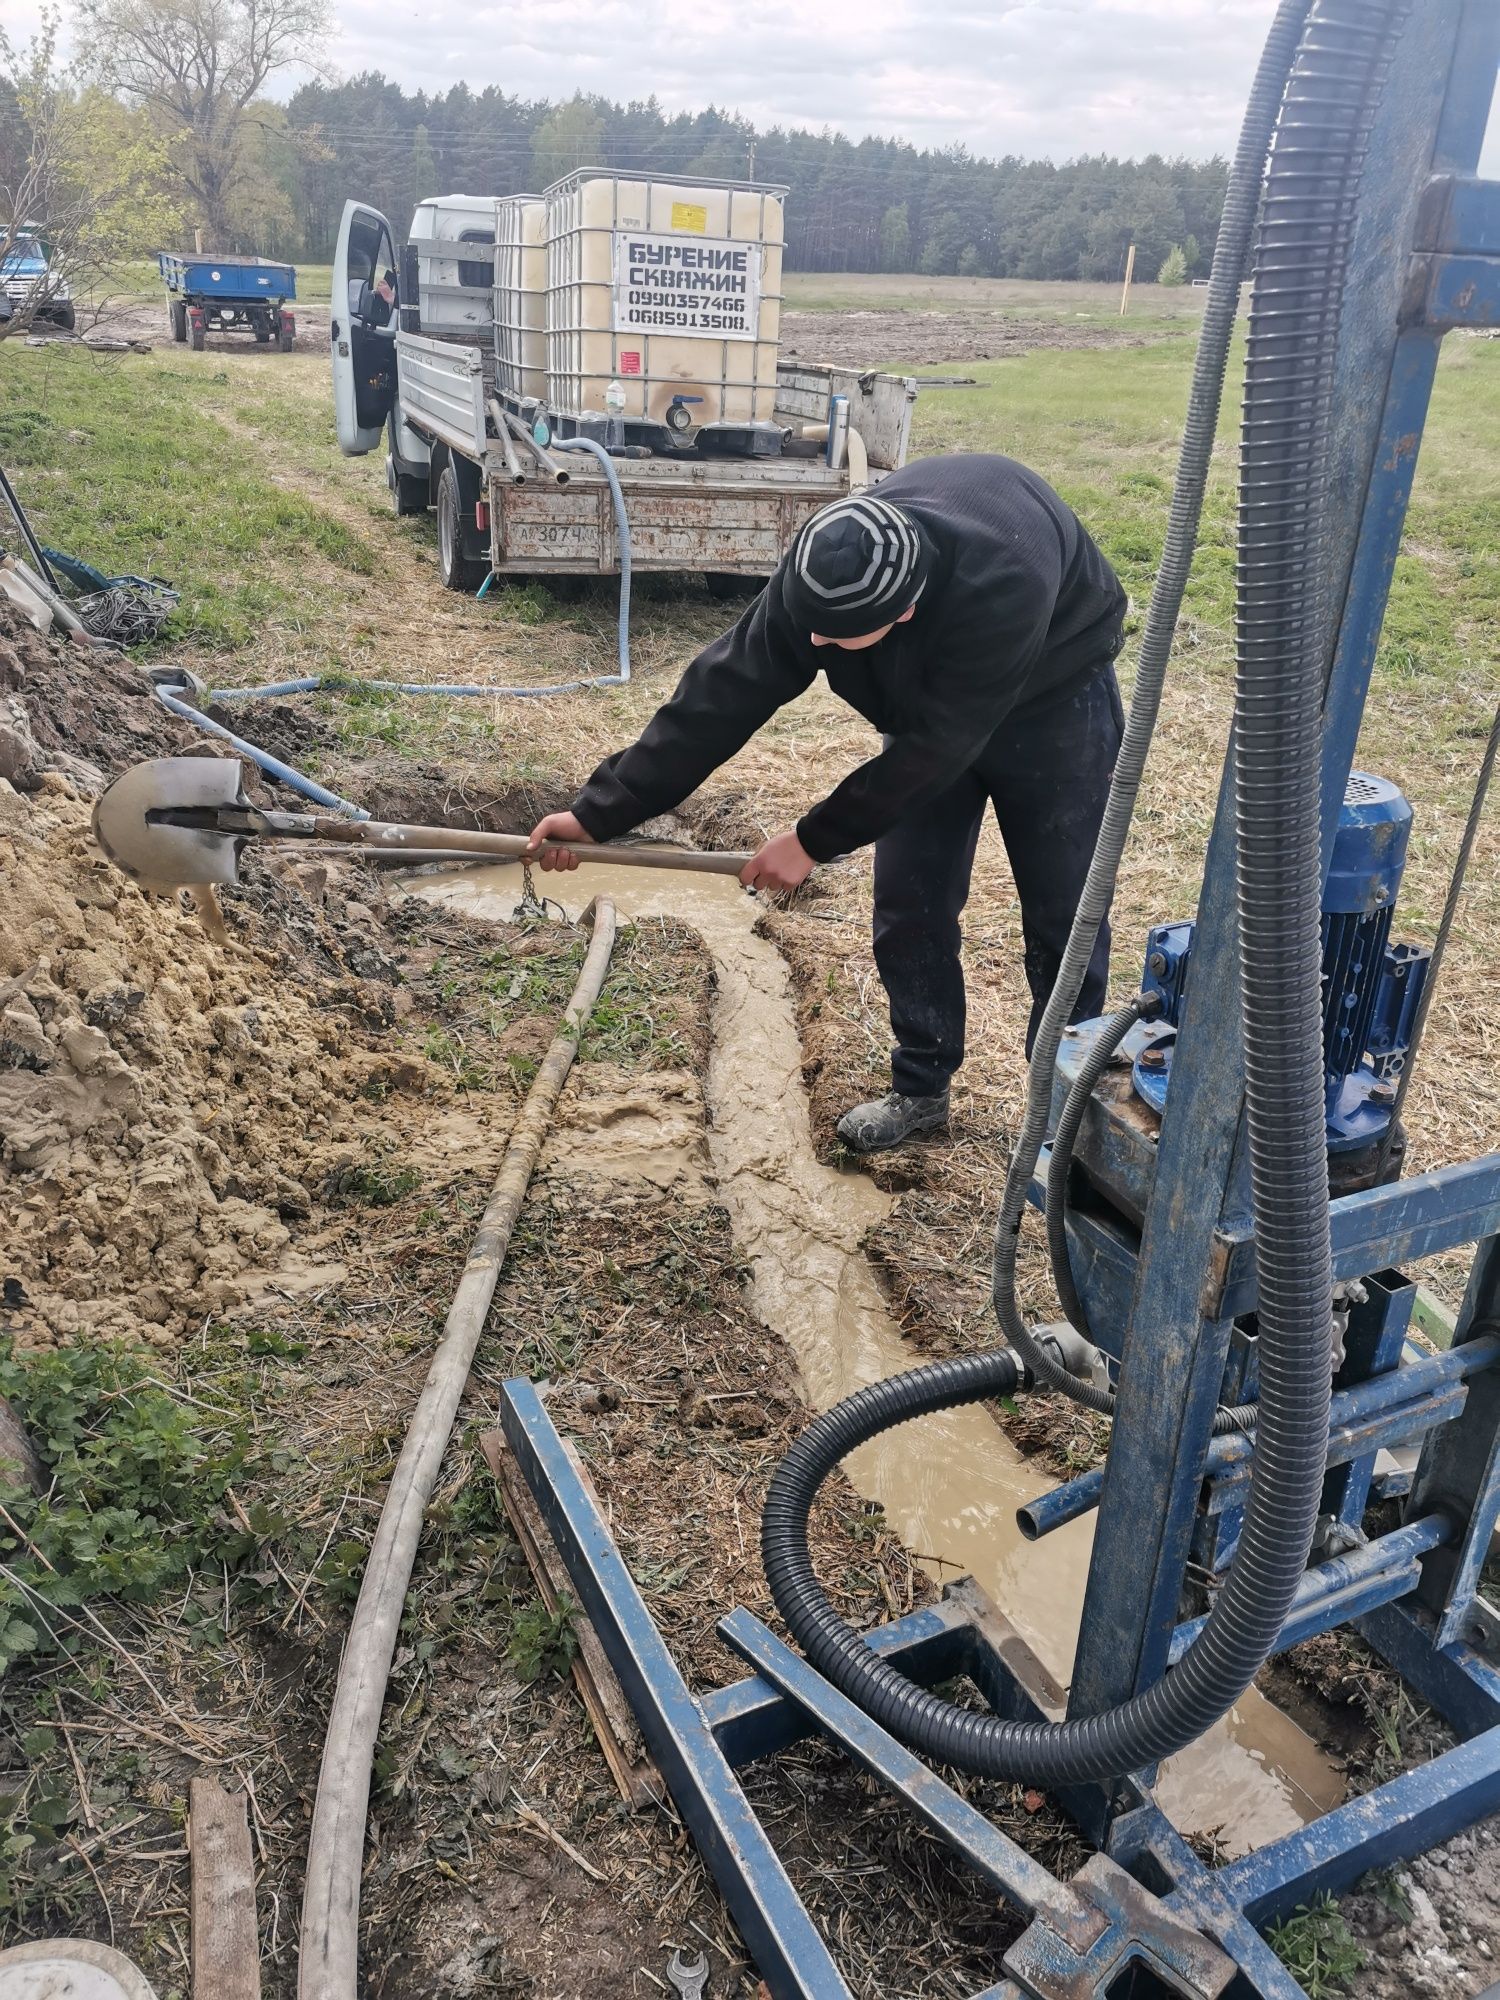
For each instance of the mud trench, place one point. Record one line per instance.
(948, 1485)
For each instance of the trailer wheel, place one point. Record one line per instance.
(459, 573)
(285, 338)
(195, 332)
(262, 329)
(65, 317)
(179, 320)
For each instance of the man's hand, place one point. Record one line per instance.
(557, 826)
(783, 863)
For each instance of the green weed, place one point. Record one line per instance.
(135, 1492)
(120, 462)
(376, 1185)
(542, 1641)
(1317, 1947)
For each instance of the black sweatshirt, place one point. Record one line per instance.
(1018, 604)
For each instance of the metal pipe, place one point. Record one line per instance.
(513, 464)
(329, 1962)
(1409, 1383)
(1395, 1390)
(1406, 1423)
(1393, 1556)
(38, 554)
(544, 459)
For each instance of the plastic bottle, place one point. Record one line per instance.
(614, 403)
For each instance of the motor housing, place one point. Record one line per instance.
(1372, 987)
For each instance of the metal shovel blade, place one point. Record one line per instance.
(160, 856)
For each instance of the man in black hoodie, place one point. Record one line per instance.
(963, 609)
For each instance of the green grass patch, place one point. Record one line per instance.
(118, 463)
(1103, 426)
(134, 1502)
(1317, 1947)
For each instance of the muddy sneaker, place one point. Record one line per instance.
(875, 1128)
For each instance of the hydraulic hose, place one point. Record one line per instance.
(1301, 261)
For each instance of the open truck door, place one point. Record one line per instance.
(362, 330)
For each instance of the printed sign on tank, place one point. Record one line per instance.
(702, 285)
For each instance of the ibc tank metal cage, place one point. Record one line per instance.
(713, 375)
(521, 297)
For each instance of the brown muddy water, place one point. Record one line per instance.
(950, 1484)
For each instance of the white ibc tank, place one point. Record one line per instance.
(455, 239)
(672, 289)
(521, 295)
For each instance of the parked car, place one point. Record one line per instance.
(31, 281)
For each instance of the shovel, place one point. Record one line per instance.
(183, 822)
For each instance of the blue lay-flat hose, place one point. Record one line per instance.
(309, 788)
(310, 683)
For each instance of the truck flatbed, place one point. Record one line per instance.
(725, 516)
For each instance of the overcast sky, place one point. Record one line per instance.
(1037, 77)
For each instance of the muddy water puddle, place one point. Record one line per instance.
(950, 1484)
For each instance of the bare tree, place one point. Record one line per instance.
(83, 188)
(198, 66)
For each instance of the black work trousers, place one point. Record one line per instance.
(1046, 771)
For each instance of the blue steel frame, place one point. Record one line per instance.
(1166, 1297)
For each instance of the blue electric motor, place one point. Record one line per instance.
(1372, 988)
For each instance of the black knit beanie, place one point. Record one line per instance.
(855, 566)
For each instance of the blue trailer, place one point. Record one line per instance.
(228, 294)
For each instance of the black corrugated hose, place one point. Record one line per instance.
(1301, 260)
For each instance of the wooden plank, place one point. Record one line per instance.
(226, 1947)
(1432, 1318)
(614, 1724)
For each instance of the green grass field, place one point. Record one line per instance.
(219, 471)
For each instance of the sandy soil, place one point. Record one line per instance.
(283, 1140)
(569, 1307)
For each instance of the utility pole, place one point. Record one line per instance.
(750, 174)
(1129, 274)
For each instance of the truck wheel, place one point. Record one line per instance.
(179, 320)
(459, 573)
(65, 317)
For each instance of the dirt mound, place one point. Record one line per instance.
(80, 712)
(167, 1104)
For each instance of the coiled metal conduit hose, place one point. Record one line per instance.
(1283, 538)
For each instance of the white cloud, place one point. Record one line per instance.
(1037, 77)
